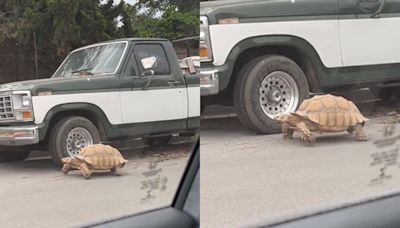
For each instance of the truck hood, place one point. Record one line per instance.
(261, 10)
(28, 85)
(64, 85)
(205, 7)
(215, 10)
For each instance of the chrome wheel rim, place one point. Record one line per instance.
(77, 139)
(278, 94)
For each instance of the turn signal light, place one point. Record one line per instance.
(203, 52)
(45, 93)
(233, 20)
(27, 115)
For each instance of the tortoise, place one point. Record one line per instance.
(323, 113)
(94, 157)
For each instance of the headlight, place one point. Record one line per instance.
(22, 104)
(26, 101)
(205, 44)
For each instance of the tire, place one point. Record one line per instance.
(247, 96)
(58, 142)
(10, 154)
(157, 141)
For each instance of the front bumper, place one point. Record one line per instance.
(209, 82)
(19, 135)
(214, 79)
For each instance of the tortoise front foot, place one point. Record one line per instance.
(305, 133)
(85, 171)
(287, 131)
(66, 168)
(116, 171)
(360, 134)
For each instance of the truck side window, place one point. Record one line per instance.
(130, 70)
(156, 50)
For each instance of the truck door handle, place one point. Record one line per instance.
(173, 83)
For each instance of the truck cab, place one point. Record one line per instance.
(128, 87)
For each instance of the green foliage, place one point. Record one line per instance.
(172, 25)
(171, 19)
(61, 25)
(162, 5)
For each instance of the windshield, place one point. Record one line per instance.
(100, 59)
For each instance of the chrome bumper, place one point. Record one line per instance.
(19, 136)
(209, 83)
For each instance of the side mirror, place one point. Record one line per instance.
(149, 63)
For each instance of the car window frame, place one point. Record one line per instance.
(350, 214)
(138, 63)
(131, 63)
(118, 67)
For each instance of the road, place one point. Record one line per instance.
(34, 193)
(248, 178)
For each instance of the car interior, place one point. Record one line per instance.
(380, 211)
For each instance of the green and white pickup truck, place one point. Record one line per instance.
(266, 56)
(127, 87)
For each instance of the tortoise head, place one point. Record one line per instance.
(71, 160)
(288, 118)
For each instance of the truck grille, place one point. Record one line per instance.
(6, 110)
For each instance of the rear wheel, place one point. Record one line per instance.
(268, 86)
(157, 141)
(9, 154)
(70, 135)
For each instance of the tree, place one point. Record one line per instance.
(62, 25)
(172, 25)
(162, 5)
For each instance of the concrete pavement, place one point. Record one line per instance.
(34, 193)
(247, 178)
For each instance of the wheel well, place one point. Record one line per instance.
(83, 113)
(292, 53)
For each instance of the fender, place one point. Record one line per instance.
(80, 108)
(272, 41)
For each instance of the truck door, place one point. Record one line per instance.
(153, 98)
(369, 32)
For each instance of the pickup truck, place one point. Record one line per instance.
(266, 57)
(121, 88)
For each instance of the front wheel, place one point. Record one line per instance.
(268, 86)
(10, 154)
(70, 135)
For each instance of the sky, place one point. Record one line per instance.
(116, 2)
(128, 1)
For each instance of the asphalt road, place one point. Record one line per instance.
(248, 178)
(34, 193)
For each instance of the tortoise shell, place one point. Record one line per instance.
(101, 156)
(331, 111)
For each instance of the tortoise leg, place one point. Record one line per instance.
(85, 170)
(360, 134)
(66, 168)
(116, 171)
(351, 129)
(287, 131)
(305, 133)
